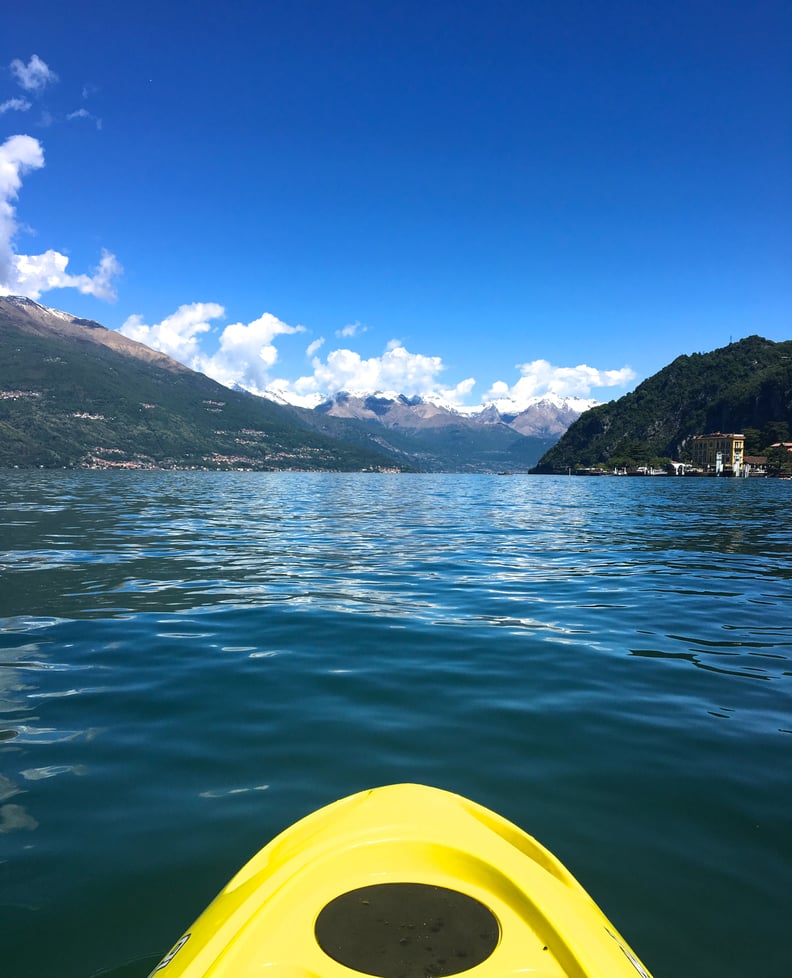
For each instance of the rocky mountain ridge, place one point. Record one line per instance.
(546, 417)
(37, 320)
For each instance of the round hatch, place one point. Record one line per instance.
(407, 930)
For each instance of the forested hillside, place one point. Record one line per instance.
(743, 387)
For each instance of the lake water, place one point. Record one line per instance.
(189, 662)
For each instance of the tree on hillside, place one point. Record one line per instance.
(779, 462)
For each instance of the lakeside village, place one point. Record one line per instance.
(714, 454)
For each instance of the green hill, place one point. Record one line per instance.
(743, 387)
(75, 394)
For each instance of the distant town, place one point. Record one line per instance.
(715, 454)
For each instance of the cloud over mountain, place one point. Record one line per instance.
(245, 352)
(246, 355)
(397, 369)
(177, 334)
(542, 377)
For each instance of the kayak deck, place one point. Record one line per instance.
(403, 881)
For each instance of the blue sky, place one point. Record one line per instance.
(480, 198)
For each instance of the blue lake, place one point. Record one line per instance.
(189, 662)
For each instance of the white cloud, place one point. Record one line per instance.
(85, 114)
(177, 334)
(18, 155)
(396, 370)
(31, 275)
(351, 329)
(540, 377)
(33, 76)
(14, 105)
(41, 273)
(456, 395)
(246, 353)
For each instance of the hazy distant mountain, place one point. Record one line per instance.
(744, 387)
(73, 393)
(545, 417)
(439, 437)
(461, 447)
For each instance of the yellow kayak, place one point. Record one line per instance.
(402, 882)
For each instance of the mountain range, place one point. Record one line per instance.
(547, 416)
(438, 437)
(75, 394)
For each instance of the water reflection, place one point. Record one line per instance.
(52, 771)
(15, 818)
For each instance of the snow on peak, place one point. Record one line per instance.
(503, 405)
(59, 313)
(509, 405)
(21, 300)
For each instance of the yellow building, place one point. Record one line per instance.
(717, 452)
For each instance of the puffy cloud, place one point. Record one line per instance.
(33, 76)
(177, 335)
(456, 395)
(246, 353)
(540, 377)
(40, 273)
(18, 155)
(14, 105)
(31, 275)
(396, 370)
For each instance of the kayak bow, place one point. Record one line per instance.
(403, 881)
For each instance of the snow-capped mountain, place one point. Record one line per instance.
(547, 416)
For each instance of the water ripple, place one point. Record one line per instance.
(597, 659)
